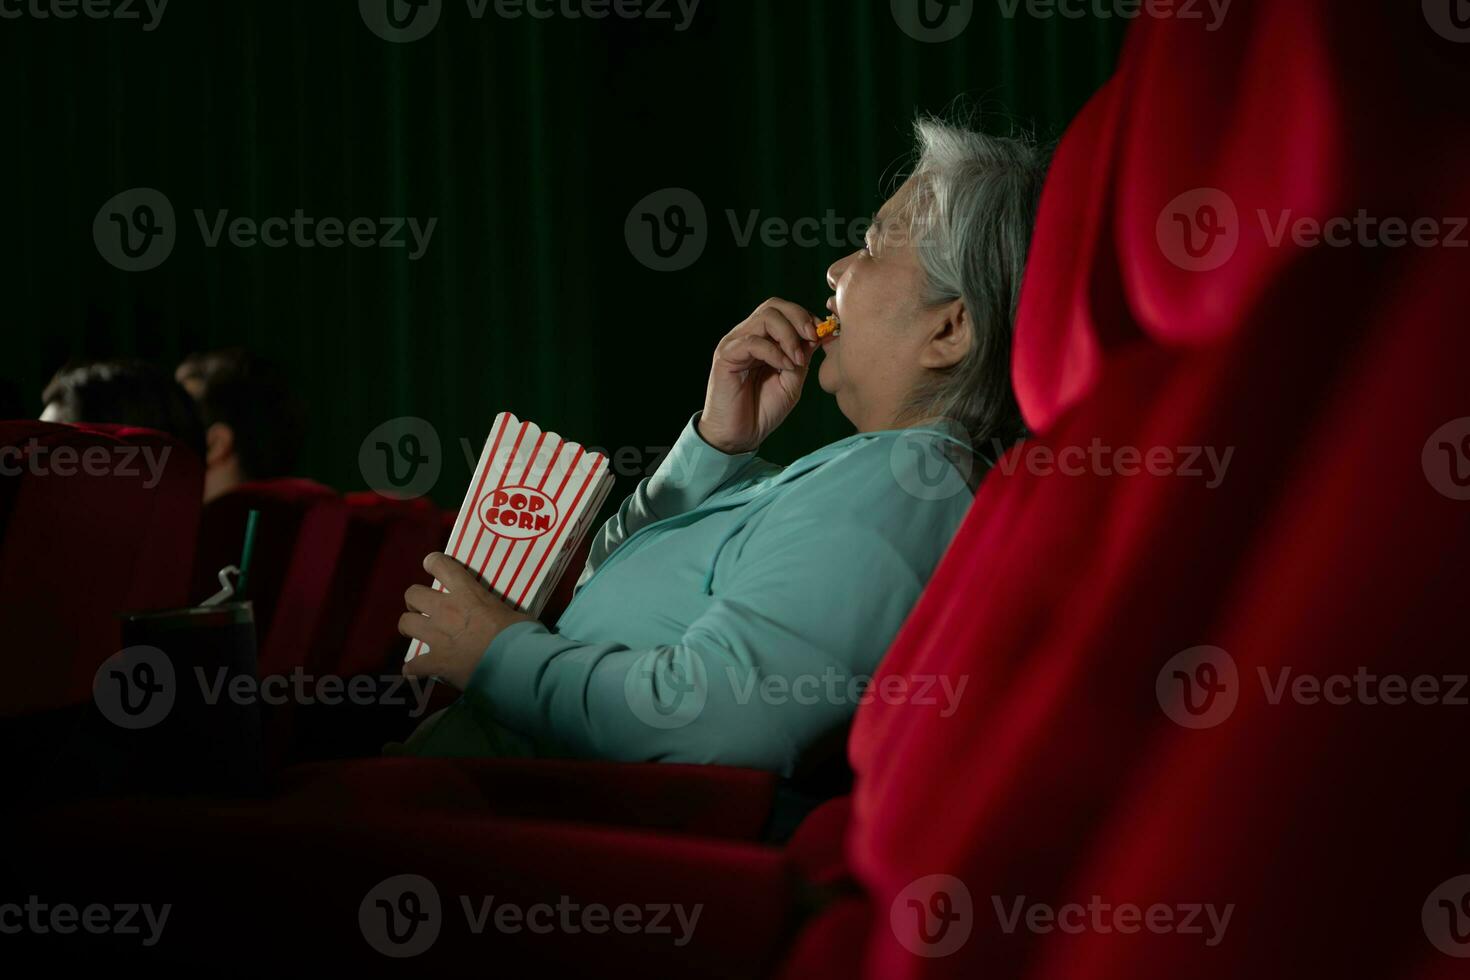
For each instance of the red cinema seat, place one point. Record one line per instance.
(299, 538)
(95, 520)
(708, 801)
(1163, 710)
(318, 886)
(382, 556)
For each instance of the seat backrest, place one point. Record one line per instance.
(1143, 646)
(95, 520)
(384, 552)
(298, 544)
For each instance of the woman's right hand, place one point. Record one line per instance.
(755, 382)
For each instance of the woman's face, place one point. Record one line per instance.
(873, 366)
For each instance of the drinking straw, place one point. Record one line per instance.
(250, 522)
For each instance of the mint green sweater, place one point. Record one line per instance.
(731, 612)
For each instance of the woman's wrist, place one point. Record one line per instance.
(715, 443)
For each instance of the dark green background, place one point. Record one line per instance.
(530, 141)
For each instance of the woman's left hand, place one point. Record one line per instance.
(458, 624)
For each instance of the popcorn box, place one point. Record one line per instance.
(530, 503)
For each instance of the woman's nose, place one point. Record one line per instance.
(836, 269)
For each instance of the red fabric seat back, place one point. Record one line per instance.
(383, 555)
(1094, 759)
(95, 520)
(298, 544)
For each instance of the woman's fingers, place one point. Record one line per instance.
(787, 324)
(421, 598)
(416, 626)
(757, 347)
(801, 321)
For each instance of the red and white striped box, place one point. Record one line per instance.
(529, 504)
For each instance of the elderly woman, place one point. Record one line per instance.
(732, 611)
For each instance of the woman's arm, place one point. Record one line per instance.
(777, 662)
(754, 382)
(685, 478)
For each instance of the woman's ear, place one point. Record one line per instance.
(950, 339)
(219, 444)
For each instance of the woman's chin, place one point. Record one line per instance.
(826, 375)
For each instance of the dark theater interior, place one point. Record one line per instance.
(876, 489)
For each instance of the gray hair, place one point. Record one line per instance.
(971, 210)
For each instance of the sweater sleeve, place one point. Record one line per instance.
(777, 662)
(686, 477)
